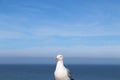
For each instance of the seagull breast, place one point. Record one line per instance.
(61, 74)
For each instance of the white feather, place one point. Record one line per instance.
(61, 73)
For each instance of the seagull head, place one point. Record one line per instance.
(59, 57)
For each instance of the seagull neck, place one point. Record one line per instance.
(60, 64)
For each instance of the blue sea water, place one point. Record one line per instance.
(46, 72)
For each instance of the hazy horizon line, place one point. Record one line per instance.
(42, 60)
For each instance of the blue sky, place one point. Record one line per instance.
(74, 28)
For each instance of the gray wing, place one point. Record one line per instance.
(69, 74)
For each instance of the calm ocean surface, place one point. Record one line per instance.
(46, 72)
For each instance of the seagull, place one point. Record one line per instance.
(61, 72)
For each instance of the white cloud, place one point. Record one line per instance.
(75, 51)
(65, 31)
(14, 23)
(86, 26)
(10, 34)
(77, 30)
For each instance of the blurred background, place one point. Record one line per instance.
(35, 31)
